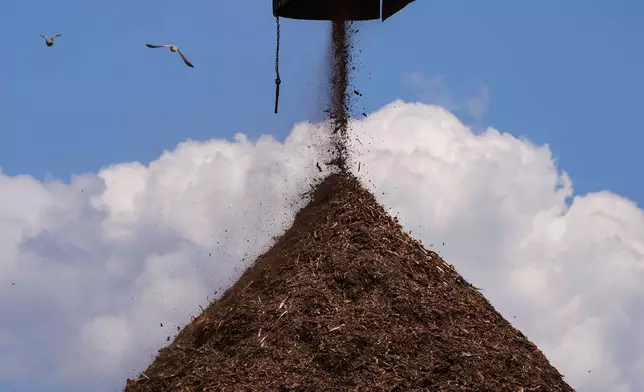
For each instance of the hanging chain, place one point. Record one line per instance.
(278, 81)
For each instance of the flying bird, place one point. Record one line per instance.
(173, 48)
(50, 41)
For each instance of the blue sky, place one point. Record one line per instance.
(566, 73)
(563, 73)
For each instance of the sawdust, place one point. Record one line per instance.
(347, 301)
(340, 98)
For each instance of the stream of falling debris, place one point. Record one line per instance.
(340, 58)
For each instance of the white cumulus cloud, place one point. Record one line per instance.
(433, 90)
(97, 273)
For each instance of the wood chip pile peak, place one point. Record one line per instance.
(346, 301)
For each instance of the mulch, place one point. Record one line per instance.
(347, 301)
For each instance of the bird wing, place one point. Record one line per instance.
(185, 60)
(55, 36)
(156, 46)
(43, 36)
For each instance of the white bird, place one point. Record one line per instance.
(50, 41)
(173, 48)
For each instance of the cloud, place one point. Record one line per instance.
(90, 270)
(100, 263)
(477, 104)
(433, 90)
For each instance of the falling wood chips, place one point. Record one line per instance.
(369, 309)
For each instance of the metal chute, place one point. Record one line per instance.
(337, 9)
(390, 7)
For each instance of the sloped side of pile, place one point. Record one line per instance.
(346, 301)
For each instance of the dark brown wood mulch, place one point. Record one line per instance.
(347, 301)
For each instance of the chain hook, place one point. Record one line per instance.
(278, 81)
